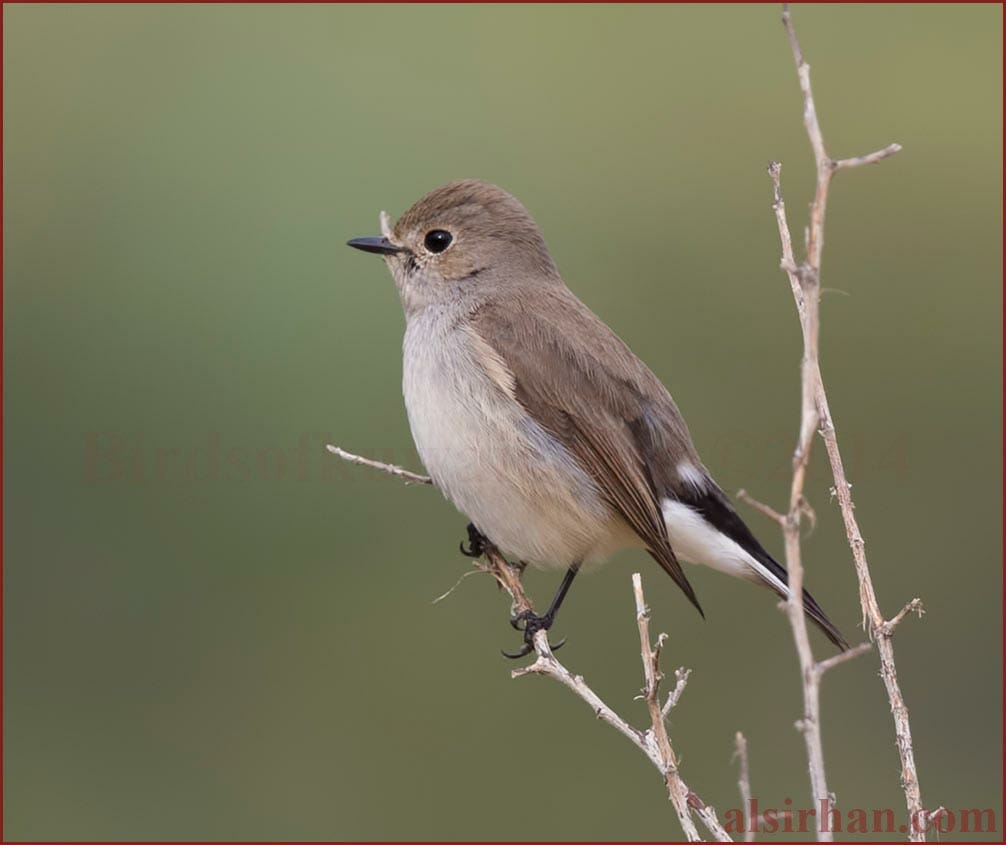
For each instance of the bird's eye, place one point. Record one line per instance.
(438, 240)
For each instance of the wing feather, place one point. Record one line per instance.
(587, 389)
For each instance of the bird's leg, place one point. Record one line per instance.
(533, 623)
(476, 542)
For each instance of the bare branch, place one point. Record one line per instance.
(681, 678)
(761, 507)
(871, 158)
(815, 416)
(914, 606)
(391, 469)
(744, 783)
(929, 816)
(843, 657)
(654, 743)
(804, 283)
(787, 262)
(707, 815)
(657, 733)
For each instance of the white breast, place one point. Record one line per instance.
(517, 484)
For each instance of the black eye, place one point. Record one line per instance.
(438, 240)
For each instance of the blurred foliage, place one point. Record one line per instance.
(213, 629)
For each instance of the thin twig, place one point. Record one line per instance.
(744, 783)
(804, 285)
(805, 281)
(657, 733)
(654, 742)
(457, 584)
(926, 820)
(681, 678)
(914, 606)
(871, 158)
(391, 469)
(761, 507)
(843, 657)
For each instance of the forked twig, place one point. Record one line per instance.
(805, 282)
(654, 742)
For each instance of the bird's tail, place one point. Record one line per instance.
(818, 617)
(780, 585)
(718, 515)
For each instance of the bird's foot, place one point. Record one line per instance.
(532, 625)
(477, 542)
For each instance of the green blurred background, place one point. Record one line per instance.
(213, 629)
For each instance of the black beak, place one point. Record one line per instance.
(382, 246)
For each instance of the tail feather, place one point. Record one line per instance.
(669, 563)
(712, 505)
(810, 606)
(818, 617)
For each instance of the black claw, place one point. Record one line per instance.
(520, 617)
(476, 542)
(532, 625)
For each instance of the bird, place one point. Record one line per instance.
(536, 420)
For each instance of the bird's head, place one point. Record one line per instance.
(460, 241)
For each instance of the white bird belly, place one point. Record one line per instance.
(514, 481)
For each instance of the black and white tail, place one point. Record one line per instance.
(704, 528)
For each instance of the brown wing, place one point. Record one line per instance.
(580, 382)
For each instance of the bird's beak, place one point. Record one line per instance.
(382, 246)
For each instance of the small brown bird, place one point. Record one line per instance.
(535, 419)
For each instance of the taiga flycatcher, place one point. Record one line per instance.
(535, 419)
